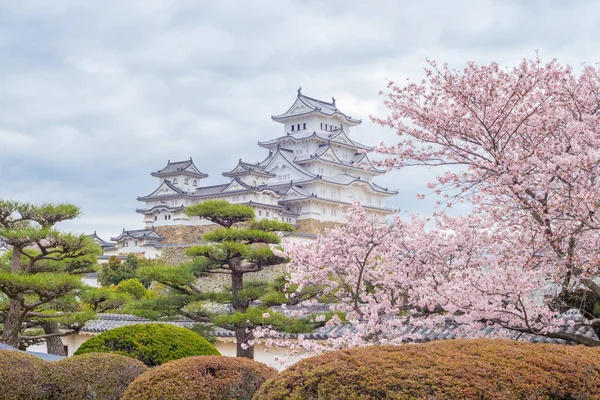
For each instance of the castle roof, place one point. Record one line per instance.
(103, 243)
(139, 234)
(338, 137)
(325, 153)
(244, 168)
(305, 105)
(186, 167)
(159, 207)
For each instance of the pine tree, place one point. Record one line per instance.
(240, 245)
(39, 278)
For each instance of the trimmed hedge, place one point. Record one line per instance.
(22, 376)
(452, 369)
(152, 344)
(94, 376)
(201, 378)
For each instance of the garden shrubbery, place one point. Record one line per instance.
(201, 378)
(453, 369)
(93, 376)
(152, 344)
(22, 376)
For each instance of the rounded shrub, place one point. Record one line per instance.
(22, 376)
(152, 344)
(93, 376)
(201, 378)
(452, 369)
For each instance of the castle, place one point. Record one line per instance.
(311, 173)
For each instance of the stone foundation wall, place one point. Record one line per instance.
(183, 234)
(173, 256)
(314, 226)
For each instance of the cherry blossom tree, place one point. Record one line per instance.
(521, 145)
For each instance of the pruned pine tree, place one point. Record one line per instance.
(240, 245)
(39, 277)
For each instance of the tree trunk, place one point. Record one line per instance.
(13, 320)
(12, 324)
(53, 343)
(237, 285)
(243, 337)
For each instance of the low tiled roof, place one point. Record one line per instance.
(417, 334)
(106, 322)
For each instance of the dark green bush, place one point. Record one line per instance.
(452, 369)
(201, 378)
(152, 344)
(22, 376)
(93, 376)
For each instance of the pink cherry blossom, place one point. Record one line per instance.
(522, 145)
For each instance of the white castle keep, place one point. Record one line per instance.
(311, 173)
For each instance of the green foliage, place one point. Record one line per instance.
(22, 376)
(244, 235)
(270, 225)
(115, 271)
(277, 293)
(43, 285)
(205, 378)
(157, 307)
(152, 344)
(220, 253)
(255, 316)
(452, 369)
(132, 287)
(41, 280)
(221, 212)
(93, 376)
(103, 299)
(45, 215)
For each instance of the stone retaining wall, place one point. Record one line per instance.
(314, 226)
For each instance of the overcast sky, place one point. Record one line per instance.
(94, 95)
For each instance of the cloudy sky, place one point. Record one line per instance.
(96, 95)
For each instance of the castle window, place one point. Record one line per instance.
(267, 213)
(195, 183)
(293, 126)
(175, 181)
(136, 243)
(298, 126)
(165, 217)
(169, 216)
(187, 181)
(155, 217)
(304, 125)
(259, 213)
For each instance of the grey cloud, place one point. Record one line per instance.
(94, 96)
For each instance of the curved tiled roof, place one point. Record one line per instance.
(179, 167)
(248, 168)
(325, 137)
(139, 234)
(315, 105)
